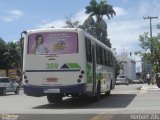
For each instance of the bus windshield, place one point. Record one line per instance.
(45, 43)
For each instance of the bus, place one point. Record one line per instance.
(59, 62)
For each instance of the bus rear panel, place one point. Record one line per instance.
(53, 62)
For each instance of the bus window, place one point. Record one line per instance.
(88, 50)
(103, 57)
(109, 58)
(98, 54)
(53, 43)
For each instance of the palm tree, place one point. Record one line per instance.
(89, 25)
(71, 24)
(2, 51)
(99, 10)
(12, 55)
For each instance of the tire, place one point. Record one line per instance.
(108, 93)
(127, 83)
(50, 98)
(54, 98)
(4, 91)
(98, 93)
(17, 91)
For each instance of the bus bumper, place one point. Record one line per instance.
(33, 90)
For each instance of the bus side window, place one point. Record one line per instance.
(103, 57)
(111, 60)
(107, 56)
(98, 54)
(88, 50)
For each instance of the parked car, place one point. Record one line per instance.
(122, 79)
(7, 85)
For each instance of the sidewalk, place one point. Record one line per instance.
(147, 87)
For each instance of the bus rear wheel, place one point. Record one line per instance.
(108, 93)
(98, 93)
(17, 91)
(4, 91)
(52, 98)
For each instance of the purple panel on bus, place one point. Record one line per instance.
(53, 43)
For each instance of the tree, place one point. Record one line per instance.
(99, 10)
(146, 43)
(2, 51)
(12, 55)
(89, 25)
(71, 24)
(96, 27)
(118, 66)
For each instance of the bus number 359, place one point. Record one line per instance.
(51, 65)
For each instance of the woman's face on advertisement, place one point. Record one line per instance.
(40, 39)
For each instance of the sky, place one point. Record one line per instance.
(123, 29)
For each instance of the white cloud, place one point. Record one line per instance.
(13, 15)
(125, 34)
(120, 11)
(55, 23)
(16, 13)
(79, 16)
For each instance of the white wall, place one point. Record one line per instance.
(129, 70)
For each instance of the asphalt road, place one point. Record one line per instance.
(125, 100)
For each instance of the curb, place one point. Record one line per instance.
(149, 87)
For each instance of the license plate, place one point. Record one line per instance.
(52, 91)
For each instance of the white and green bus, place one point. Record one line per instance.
(59, 62)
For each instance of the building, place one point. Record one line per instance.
(129, 67)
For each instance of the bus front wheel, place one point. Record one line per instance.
(54, 98)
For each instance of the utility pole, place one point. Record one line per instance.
(150, 19)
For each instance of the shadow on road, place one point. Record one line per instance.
(113, 101)
(8, 94)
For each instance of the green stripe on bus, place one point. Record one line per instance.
(74, 65)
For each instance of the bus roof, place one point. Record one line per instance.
(47, 29)
(97, 41)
